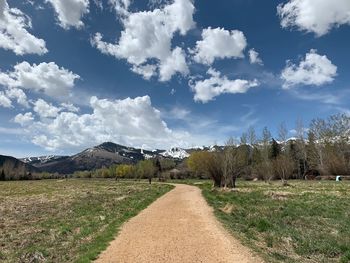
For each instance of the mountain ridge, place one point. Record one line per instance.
(102, 155)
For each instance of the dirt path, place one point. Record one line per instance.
(178, 227)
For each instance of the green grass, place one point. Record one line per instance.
(304, 222)
(67, 220)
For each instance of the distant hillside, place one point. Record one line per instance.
(14, 169)
(103, 155)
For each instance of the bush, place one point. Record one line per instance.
(145, 169)
(82, 174)
(125, 171)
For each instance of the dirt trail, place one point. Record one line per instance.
(178, 227)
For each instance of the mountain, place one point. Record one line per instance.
(176, 153)
(42, 159)
(103, 155)
(14, 169)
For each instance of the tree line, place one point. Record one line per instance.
(320, 149)
(144, 169)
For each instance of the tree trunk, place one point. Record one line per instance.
(234, 181)
(217, 182)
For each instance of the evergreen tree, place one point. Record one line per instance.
(275, 149)
(2, 176)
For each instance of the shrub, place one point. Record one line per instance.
(125, 171)
(145, 169)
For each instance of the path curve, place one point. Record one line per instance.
(178, 227)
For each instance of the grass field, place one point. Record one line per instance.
(66, 220)
(304, 222)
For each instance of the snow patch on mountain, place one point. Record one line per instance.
(176, 153)
(41, 159)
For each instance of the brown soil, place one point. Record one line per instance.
(178, 227)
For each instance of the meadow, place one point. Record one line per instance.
(67, 220)
(74, 220)
(307, 221)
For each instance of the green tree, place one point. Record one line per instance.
(197, 163)
(124, 171)
(275, 150)
(145, 169)
(208, 164)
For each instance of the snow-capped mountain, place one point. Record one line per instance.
(42, 159)
(176, 153)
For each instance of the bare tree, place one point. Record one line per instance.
(302, 165)
(318, 127)
(235, 160)
(251, 136)
(244, 138)
(283, 167)
(282, 133)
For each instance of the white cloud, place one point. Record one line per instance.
(129, 121)
(254, 57)
(313, 70)
(179, 113)
(219, 43)
(330, 98)
(146, 41)
(44, 77)
(121, 6)
(206, 90)
(4, 100)
(317, 16)
(147, 71)
(69, 107)
(19, 95)
(24, 119)
(14, 35)
(70, 12)
(176, 62)
(45, 110)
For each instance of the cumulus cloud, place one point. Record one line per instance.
(147, 71)
(48, 78)
(70, 12)
(121, 6)
(316, 16)
(129, 121)
(206, 90)
(24, 119)
(14, 35)
(254, 57)
(45, 110)
(146, 41)
(315, 70)
(18, 95)
(176, 62)
(4, 100)
(69, 107)
(219, 43)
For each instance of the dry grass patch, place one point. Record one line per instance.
(228, 208)
(66, 220)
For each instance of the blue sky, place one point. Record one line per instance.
(157, 74)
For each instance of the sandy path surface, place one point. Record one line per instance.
(178, 227)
